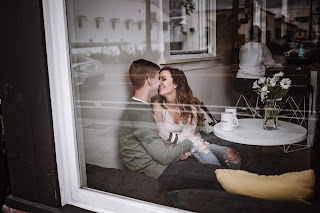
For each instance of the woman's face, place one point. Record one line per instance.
(167, 86)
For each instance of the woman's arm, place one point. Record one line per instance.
(190, 129)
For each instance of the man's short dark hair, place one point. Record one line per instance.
(140, 70)
(255, 32)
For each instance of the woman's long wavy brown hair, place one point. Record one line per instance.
(185, 98)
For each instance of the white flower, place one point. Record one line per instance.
(255, 85)
(279, 74)
(262, 80)
(273, 81)
(267, 80)
(264, 89)
(263, 95)
(285, 83)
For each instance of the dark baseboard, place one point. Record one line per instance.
(28, 206)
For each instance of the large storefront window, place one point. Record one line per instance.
(91, 44)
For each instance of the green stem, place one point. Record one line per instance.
(270, 111)
(266, 116)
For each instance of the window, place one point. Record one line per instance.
(89, 85)
(188, 28)
(303, 19)
(114, 22)
(80, 20)
(140, 24)
(98, 20)
(182, 28)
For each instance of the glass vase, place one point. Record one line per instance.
(270, 118)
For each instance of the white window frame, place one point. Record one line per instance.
(167, 58)
(56, 35)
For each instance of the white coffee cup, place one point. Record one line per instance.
(233, 110)
(228, 121)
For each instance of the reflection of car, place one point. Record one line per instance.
(86, 70)
(278, 46)
(307, 46)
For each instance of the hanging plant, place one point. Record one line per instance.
(189, 5)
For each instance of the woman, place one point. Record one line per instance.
(177, 113)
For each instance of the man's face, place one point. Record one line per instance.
(155, 84)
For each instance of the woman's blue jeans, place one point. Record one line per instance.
(215, 156)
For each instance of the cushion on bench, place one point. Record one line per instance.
(218, 201)
(127, 183)
(291, 186)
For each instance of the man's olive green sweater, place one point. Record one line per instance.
(140, 144)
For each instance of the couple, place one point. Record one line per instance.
(142, 148)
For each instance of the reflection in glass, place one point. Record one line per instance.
(188, 27)
(105, 36)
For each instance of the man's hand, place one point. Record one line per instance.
(185, 155)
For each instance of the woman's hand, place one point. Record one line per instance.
(185, 155)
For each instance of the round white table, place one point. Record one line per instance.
(250, 132)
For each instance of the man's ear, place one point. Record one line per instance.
(149, 79)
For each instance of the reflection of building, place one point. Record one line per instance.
(275, 27)
(300, 17)
(301, 34)
(278, 27)
(159, 29)
(106, 25)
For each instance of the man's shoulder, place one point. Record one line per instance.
(136, 108)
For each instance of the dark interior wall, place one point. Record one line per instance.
(26, 104)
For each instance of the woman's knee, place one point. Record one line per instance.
(233, 155)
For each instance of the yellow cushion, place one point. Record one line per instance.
(293, 186)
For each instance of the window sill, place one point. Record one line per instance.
(186, 59)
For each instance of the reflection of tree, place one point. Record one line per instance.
(236, 22)
(228, 24)
(148, 28)
(176, 5)
(189, 5)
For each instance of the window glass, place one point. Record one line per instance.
(188, 27)
(106, 36)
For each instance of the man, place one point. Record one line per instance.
(141, 146)
(254, 58)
